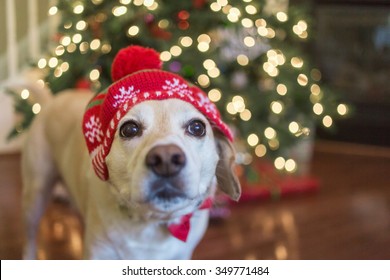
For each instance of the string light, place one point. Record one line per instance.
(246, 115)
(133, 30)
(175, 50)
(53, 10)
(260, 22)
(318, 109)
(78, 9)
(269, 133)
(315, 89)
(36, 108)
(95, 44)
(249, 41)
(25, 94)
(119, 11)
(164, 23)
(59, 50)
(253, 139)
(106, 48)
(342, 109)
(222, 3)
(305, 131)
(84, 46)
(215, 7)
(148, 3)
(65, 41)
(302, 25)
(77, 38)
(165, 56)
(277, 107)
(315, 74)
(260, 150)
(234, 15)
(270, 33)
(273, 144)
(64, 66)
(282, 16)
(53, 62)
(213, 73)
(186, 41)
(71, 48)
(279, 163)
(41, 83)
(58, 72)
(300, 29)
(238, 103)
(209, 64)
(203, 46)
(153, 7)
(293, 127)
(281, 89)
(138, 2)
(242, 59)
(327, 121)
(94, 75)
(230, 108)
(302, 79)
(81, 25)
(204, 38)
(42, 63)
(296, 62)
(315, 98)
(270, 69)
(290, 165)
(262, 30)
(250, 9)
(215, 95)
(204, 80)
(247, 22)
(68, 25)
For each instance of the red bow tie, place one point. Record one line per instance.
(182, 229)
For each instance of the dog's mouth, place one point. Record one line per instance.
(166, 192)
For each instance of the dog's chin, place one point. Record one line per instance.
(166, 196)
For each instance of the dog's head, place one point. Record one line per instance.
(157, 139)
(165, 159)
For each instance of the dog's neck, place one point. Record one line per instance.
(178, 226)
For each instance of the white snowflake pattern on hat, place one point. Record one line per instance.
(203, 101)
(124, 95)
(175, 86)
(94, 130)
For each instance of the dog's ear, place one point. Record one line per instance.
(226, 177)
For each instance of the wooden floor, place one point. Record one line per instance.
(349, 218)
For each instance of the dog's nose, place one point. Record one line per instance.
(166, 160)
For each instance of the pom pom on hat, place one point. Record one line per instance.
(132, 59)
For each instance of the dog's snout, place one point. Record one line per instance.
(166, 160)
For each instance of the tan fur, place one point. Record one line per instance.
(120, 223)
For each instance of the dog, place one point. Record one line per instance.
(126, 217)
(141, 164)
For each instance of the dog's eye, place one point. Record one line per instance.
(196, 128)
(129, 130)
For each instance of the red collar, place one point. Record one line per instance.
(181, 229)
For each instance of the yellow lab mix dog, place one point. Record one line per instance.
(141, 161)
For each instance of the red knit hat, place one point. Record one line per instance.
(137, 78)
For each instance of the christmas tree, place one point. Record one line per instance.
(247, 55)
